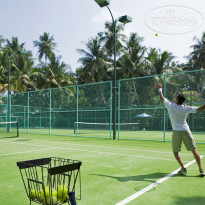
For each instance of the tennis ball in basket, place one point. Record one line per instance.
(50, 191)
(44, 194)
(52, 200)
(62, 192)
(33, 194)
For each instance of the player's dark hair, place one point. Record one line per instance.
(181, 98)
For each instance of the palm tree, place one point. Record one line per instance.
(46, 46)
(21, 65)
(2, 40)
(44, 79)
(59, 70)
(132, 61)
(13, 45)
(94, 62)
(197, 56)
(107, 38)
(159, 62)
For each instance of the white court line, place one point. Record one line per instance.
(142, 191)
(139, 150)
(111, 153)
(160, 135)
(28, 151)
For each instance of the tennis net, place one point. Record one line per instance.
(103, 127)
(9, 129)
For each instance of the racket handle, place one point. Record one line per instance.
(72, 198)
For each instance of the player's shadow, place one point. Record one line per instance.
(197, 200)
(141, 177)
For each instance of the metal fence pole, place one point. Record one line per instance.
(164, 107)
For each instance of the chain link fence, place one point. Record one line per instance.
(63, 111)
(138, 102)
(86, 110)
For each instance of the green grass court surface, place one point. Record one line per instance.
(111, 171)
(123, 134)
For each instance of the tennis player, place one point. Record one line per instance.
(181, 132)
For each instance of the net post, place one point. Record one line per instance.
(4, 126)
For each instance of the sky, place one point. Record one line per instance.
(73, 22)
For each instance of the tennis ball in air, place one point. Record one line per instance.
(62, 193)
(52, 200)
(33, 194)
(156, 34)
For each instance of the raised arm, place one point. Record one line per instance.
(199, 109)
(159, 86)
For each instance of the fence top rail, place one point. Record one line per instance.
(165, 74)
(70, 86)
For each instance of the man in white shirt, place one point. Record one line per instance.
(181, 132)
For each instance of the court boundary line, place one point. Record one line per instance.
(27, 151)
(117, 154)
(144, 190)
(111, 147)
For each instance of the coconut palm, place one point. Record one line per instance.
(131, 64)
(132, 61)
(2, 40)
(59, 70)
(197, 56)
(54, 75)
(13, 45)
(107, 38)
(94, 62)
(46, 46)
(21, 66)
(159, 62)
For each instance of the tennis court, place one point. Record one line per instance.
(111, 171)
(77, 123)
